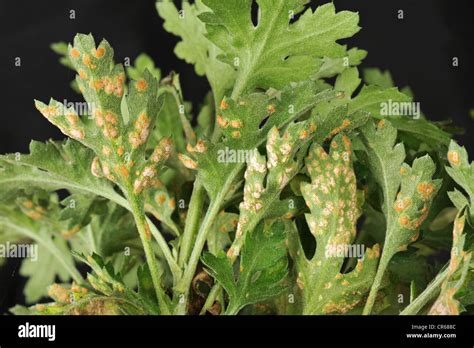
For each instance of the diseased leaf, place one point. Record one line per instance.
(117, 135)
(78, 300)
(288, 120)
(104, 279)
(407, 192)
(459, 266)
(462, 173)
(54, 166)
(245, 125)
(161, 204)
(265, 179)
(332, 199)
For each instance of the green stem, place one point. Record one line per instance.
(232, 310)
(90, 234)
(376, 284)
(182, 288)
(163, 245)
(428, 294)
(145, 237)
(211, 298)
(192, 222)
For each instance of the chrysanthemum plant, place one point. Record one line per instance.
(289, 191)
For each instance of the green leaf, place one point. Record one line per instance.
(410, 268)
(169, 124)
(42, 272)
(334, 204)
(61, 48)
(335, 66)
(459, 200)
(218, 239)
(379, 78)
(143, 62)
(370, 99)
(422, 130)
(384, 158)
(145, 286)
(413, 126)
(263, 267)
(78, 211)
(36, 220)
(194, 48)
(108, 233)
(206, 118)
(275, 52)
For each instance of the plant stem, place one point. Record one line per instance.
(192, 222)
(182, 288)
(211, 298)
(428, 294)
(175, 269)
(145, 236)
(375, 285)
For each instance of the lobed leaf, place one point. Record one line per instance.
(458, 269)
(332, 199)
(275, 52)
(263, 267)
(462, 172)
(194, 47)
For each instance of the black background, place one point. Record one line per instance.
(418, 50)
